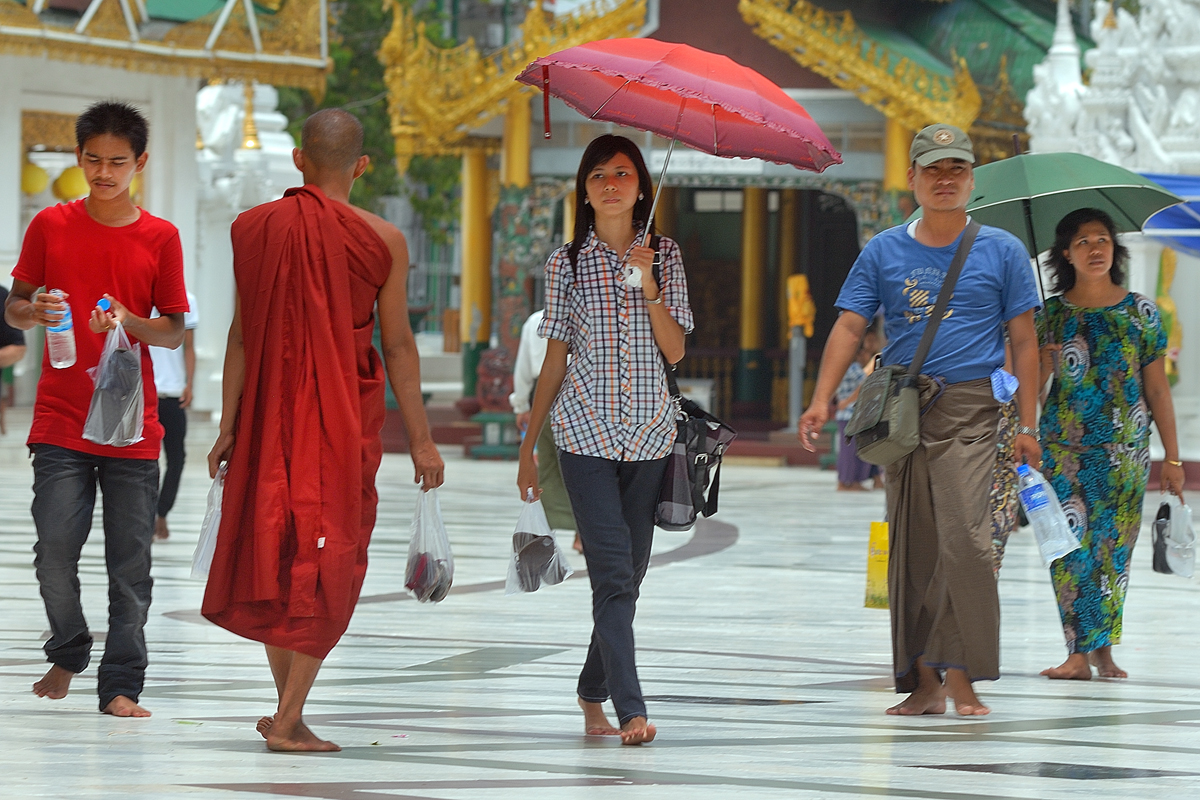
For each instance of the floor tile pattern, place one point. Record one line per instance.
(766, 676)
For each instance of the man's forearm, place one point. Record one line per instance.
(840, 349)
(164, 331)
(404, 374)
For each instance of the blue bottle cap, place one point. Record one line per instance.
(1023, 469)
(104, 304)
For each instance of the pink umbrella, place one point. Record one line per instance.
(705, 100)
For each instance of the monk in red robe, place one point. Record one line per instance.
(303, 405)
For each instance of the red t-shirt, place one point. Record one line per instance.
(141, 265)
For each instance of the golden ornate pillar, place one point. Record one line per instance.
(514, 158)
(664, 217)
(753, 384)
(897, 142)
(475, 320)
(569, 216)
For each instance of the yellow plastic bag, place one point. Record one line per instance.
(877, 566)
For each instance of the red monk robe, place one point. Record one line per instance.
(299, 502)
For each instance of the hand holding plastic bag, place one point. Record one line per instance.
(202, 558)
(536, 557)
(115, 416)
(430, 569)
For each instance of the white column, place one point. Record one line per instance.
(11, 158)
(1186, 393)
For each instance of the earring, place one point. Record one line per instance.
(586, 201)
(641, 196)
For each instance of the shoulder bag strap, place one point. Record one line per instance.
(939, 308)
(672, 384)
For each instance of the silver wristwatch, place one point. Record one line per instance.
(1028, 431)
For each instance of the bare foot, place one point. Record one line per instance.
(1102, 660)
(296, 738)
(878, 482)
(264, 725)
(160, 529)
(960, 690)
(595, 723)
(577, 546)
(1075, 668)
(122, 706)
(637, 731)
(54, 684)
(920, 702)
(850, 487)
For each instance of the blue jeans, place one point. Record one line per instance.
(614, 508)
(64, 495)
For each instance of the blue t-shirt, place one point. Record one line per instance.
(903, 276)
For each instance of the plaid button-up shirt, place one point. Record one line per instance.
(614, 402)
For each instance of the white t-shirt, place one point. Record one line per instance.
(170, 375)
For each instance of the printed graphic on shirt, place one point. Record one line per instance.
(921, 289)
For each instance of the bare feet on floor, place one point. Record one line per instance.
(160, 529)
(966, 702)
(264, 725)
(1075, 668)
(920, 702)
(295, 738)
(638, 731)
(850, 487)
(54, 684)
(595, 723)
(577, 545)
(122, 706)
(1102, 660)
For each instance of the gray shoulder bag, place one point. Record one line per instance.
(886, 423)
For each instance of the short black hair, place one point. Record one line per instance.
(119, 119)
(1062, 272)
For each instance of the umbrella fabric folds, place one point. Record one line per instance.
(702, 99)
(1028, 194)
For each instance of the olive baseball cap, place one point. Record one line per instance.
(936, 142)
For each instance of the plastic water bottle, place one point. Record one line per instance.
(1050, 526)
(60, 338)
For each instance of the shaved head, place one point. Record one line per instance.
(332, 139)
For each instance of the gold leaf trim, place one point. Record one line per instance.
(436, 95)
(832, 45)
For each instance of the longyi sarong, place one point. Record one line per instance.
(941, 582)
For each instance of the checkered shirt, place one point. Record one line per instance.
(614, 402)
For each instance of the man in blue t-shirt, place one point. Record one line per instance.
(944, 606)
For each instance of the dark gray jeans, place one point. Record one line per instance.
(614, 508)
(64, 495)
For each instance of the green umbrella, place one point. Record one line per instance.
(1028, 194)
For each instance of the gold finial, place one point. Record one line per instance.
(249, 129)
(1110, 19)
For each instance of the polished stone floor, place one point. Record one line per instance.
(765, 674)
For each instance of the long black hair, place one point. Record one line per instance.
(1062, 271)
(601, 150)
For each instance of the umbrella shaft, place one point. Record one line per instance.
(657, 194)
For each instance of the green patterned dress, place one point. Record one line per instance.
(1095, 431)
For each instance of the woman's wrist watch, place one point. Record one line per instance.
(656, 301)
(1028, 431)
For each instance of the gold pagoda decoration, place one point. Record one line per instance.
(437, 95)
(832, 45)
(236, 42)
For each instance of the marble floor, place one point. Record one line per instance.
(765, 674)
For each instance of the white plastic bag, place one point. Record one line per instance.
(115, 415)
(202, 558)
(1174, 539)
(430, 569)
(536, 559)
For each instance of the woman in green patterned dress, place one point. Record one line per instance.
(1109, 383)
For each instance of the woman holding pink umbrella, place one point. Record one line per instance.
(620, 309)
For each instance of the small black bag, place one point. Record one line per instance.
(700, 443)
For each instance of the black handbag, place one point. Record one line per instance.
(700, 442)
(886, 422)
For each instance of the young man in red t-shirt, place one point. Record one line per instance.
(101, 246)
